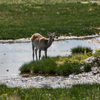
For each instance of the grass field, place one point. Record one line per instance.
(22, 18)
(77, 92)
(43, 1)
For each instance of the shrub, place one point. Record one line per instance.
(69, 68)
(42, 66)
(58, 65)
(45, 66)
(26, 68)
(83, 50)
(87, 67)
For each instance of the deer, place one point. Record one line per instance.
(41, 43)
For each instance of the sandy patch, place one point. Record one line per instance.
(26, 40)
(85, 2)
(22, 40)
(76, 37)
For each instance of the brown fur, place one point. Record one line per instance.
(41, 43)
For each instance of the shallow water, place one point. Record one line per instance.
(14, 55)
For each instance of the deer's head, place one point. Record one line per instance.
(52, 35)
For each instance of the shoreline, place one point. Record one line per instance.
(26, 40)
(85, 2)
(50, 81)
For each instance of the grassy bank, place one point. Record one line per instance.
(58, 65)
(77, 92)
(73, 64)
(42, 1)
(21, 18)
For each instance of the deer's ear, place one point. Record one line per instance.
(55, 33)
(49, 33)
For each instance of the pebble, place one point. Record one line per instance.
(50, 81)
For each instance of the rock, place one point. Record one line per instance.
(95, 70)
(7, 70)
(4, 53)
(51, 81)
(91, 60)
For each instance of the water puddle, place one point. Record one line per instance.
(14, 55)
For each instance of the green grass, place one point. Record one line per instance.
(57, 65)
(83, 50)
(42, 1)
(77, 92)
(97, 53)
(20, 18)
(73, 64)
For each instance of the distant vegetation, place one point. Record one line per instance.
(43, 1)
(22, 18)
(77, 92)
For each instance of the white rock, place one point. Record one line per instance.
(91, 60)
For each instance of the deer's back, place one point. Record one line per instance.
(39, 41)
(36, 36)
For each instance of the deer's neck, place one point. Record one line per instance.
(50, 42)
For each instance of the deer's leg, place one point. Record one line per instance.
(33, 50)
(36, 53)
(46, 53)
(39, 54)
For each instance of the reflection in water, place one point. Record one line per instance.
(12, 56)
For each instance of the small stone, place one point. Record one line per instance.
(4, 54)
(94, 73)
(91, 60)
(7, 70)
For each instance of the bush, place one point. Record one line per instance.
(26, 68)
(42, 66)
(50, 66)
(83, 50)
(45, 66)
(69, 68)
(58, 65)
(87, 67)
